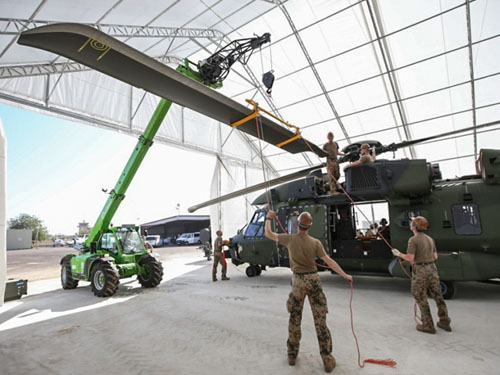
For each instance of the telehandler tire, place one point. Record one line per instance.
(67, 280)
(154, 275)
(104, 279)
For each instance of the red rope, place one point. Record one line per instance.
(385, 362)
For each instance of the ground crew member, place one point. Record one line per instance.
(366, 157)
(303, 250)
(384, 230)
(332, 166)
(421, 254)
(218, 243)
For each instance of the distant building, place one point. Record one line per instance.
(19, 239)
(176, 225)
(83, 228)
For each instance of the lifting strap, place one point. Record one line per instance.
(256, 112)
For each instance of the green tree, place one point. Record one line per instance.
(25, 221)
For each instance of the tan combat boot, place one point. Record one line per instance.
(446, 327)
(422, 328)
(329, 363)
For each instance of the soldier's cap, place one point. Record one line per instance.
(330, 134)
(305, 220)
(420, 223)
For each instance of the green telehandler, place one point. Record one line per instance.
(111, 253)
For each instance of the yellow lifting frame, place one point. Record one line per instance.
(256, 112)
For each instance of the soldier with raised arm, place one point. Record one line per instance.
(303, 251)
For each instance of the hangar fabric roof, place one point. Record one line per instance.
(369, 69)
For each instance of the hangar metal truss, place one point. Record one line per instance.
(363, 69)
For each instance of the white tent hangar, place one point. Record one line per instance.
(375, 69)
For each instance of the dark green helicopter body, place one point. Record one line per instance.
(462, 215)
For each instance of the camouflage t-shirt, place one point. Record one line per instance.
(218, 245)
(423, 247)
(303, 250)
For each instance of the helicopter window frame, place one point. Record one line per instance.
(466, 219)
(291, 225)
(255, 227)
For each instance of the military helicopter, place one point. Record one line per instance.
(461, 213)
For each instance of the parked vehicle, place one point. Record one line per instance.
(181, 240)
(58, 242)
(189, 239)
(154, 240)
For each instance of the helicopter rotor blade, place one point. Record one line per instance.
(353, 155)
(251, 189)
(453, 132)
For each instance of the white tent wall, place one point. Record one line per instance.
(230, 176)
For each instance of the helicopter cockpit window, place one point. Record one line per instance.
(256, 226)
(292, 227)
(466, 219)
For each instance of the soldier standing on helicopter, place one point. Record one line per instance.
(421, 254)
(303, 250)
(218, 243)
(332, 166)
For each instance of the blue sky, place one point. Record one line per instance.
(56, 169)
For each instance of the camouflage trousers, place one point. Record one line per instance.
(217, 260)
(307, 285)
(425, 280)
(333, 169)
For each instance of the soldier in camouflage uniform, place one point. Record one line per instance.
(218, 243)
(303, 250)
(421, 254)
(332, 148)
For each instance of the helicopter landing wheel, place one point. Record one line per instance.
(258, 270)
(447, 289)
(251, 271)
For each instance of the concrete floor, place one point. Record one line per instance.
(190, 325)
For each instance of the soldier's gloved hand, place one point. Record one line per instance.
(396, 252)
